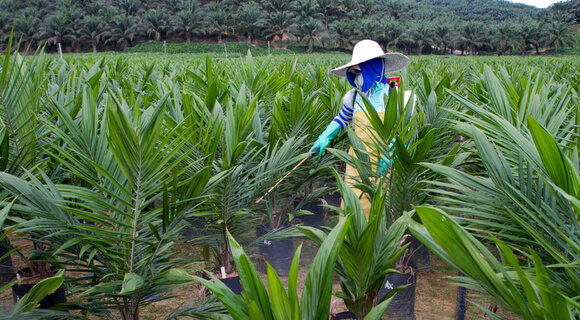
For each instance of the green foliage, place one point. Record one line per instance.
(521, 188)
(368, 253)
(20, 91)
(234, 49)
(526, 291)
(257, 303)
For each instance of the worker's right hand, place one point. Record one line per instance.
(324, 139)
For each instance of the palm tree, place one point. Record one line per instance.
(343, 31)
(278, 5)
(157, 22)
(472, 35)
(349, 6)
(367, 28)
(505, 37)
(249, 18)
(57, 29)
(124, 170)
(189, 22)
(94, 29)
(111, 13)
(4, 22)
(575, 11)
(529, 34)
(21, 86)
(96, 8)
(278, 24)
(191, 5)
(26, 25)
(171, 6)
(307, 30)
(559, 34)
(327, 8)
(218, 21)
(42, 5)
(423, 35)
(396, 8)
(123, 30)
(129, 7)
(407, 40)
(11, 6)
(307, 9)
(394, 32)
(367, 7)
(73, 14)
(523, 194)
(443, 34)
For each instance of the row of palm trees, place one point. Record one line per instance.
(116, 25)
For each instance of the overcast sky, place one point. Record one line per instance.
(536, 3)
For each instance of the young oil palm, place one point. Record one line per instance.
(523, 190)
(275, 303)
(368, 253)
(122, 158)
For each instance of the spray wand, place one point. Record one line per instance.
(289, 172)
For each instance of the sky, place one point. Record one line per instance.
(536, 3)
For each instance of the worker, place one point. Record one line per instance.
(366, 72)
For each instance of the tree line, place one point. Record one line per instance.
(414, 26)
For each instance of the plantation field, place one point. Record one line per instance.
(133, 173)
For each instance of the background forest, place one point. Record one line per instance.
(411, 26)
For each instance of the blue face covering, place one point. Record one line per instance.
(372, 71)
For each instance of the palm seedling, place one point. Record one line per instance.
(122, 158)
(228, 207)
(275, 303)
(523, 200)
(297, 114)
(21, 133)
(368, 252)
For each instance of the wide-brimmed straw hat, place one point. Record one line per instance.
(366, 50)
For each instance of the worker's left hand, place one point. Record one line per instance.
(384, 164)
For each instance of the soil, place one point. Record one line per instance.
(436, 297)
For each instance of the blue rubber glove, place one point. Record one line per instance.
(324, 139)
(384, 162)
